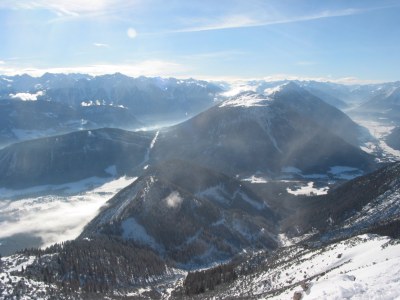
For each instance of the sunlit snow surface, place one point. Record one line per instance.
(308, 190)
(255, 179)
(379, 130)
(363, 267)
(27, 96)
(56, 217)
(246, 100)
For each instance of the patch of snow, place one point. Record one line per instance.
(255, 179)
(147, 154)
(270, 91)
(19, 262)
(239, 87)
(27, 96)
(246, 100)
(379, 130)
(308, 190)
(362, 267)
(133, 230)
(390, 151)
(384, 207)
(369, 147)
(153, 142)
(284, 241)
(371, 272)
(93, 103)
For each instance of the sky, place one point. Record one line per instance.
(338, 40)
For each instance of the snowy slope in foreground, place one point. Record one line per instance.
(362, 267)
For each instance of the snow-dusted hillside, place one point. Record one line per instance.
(252, 133)
(362, 267)
(189, 214)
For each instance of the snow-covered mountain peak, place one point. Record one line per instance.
(273, 90)
(247, 99)
(287, 86)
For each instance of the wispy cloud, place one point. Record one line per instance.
(243, 20)
(101, 45)
(70, 8)
(173, 200)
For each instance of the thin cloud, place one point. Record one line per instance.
(241, 21)
(101, 45)
(173, 200)
(71, 8)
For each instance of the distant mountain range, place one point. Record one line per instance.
(215, 188)
(52, 104)
(79, 101)
(246, 134)
(142, 95)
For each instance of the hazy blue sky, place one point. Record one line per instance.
(203, 38)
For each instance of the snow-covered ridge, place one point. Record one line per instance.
(362, 267)
(254, 97)
(247, 100)
(99, 103)
(271, 91)
(308, 190)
